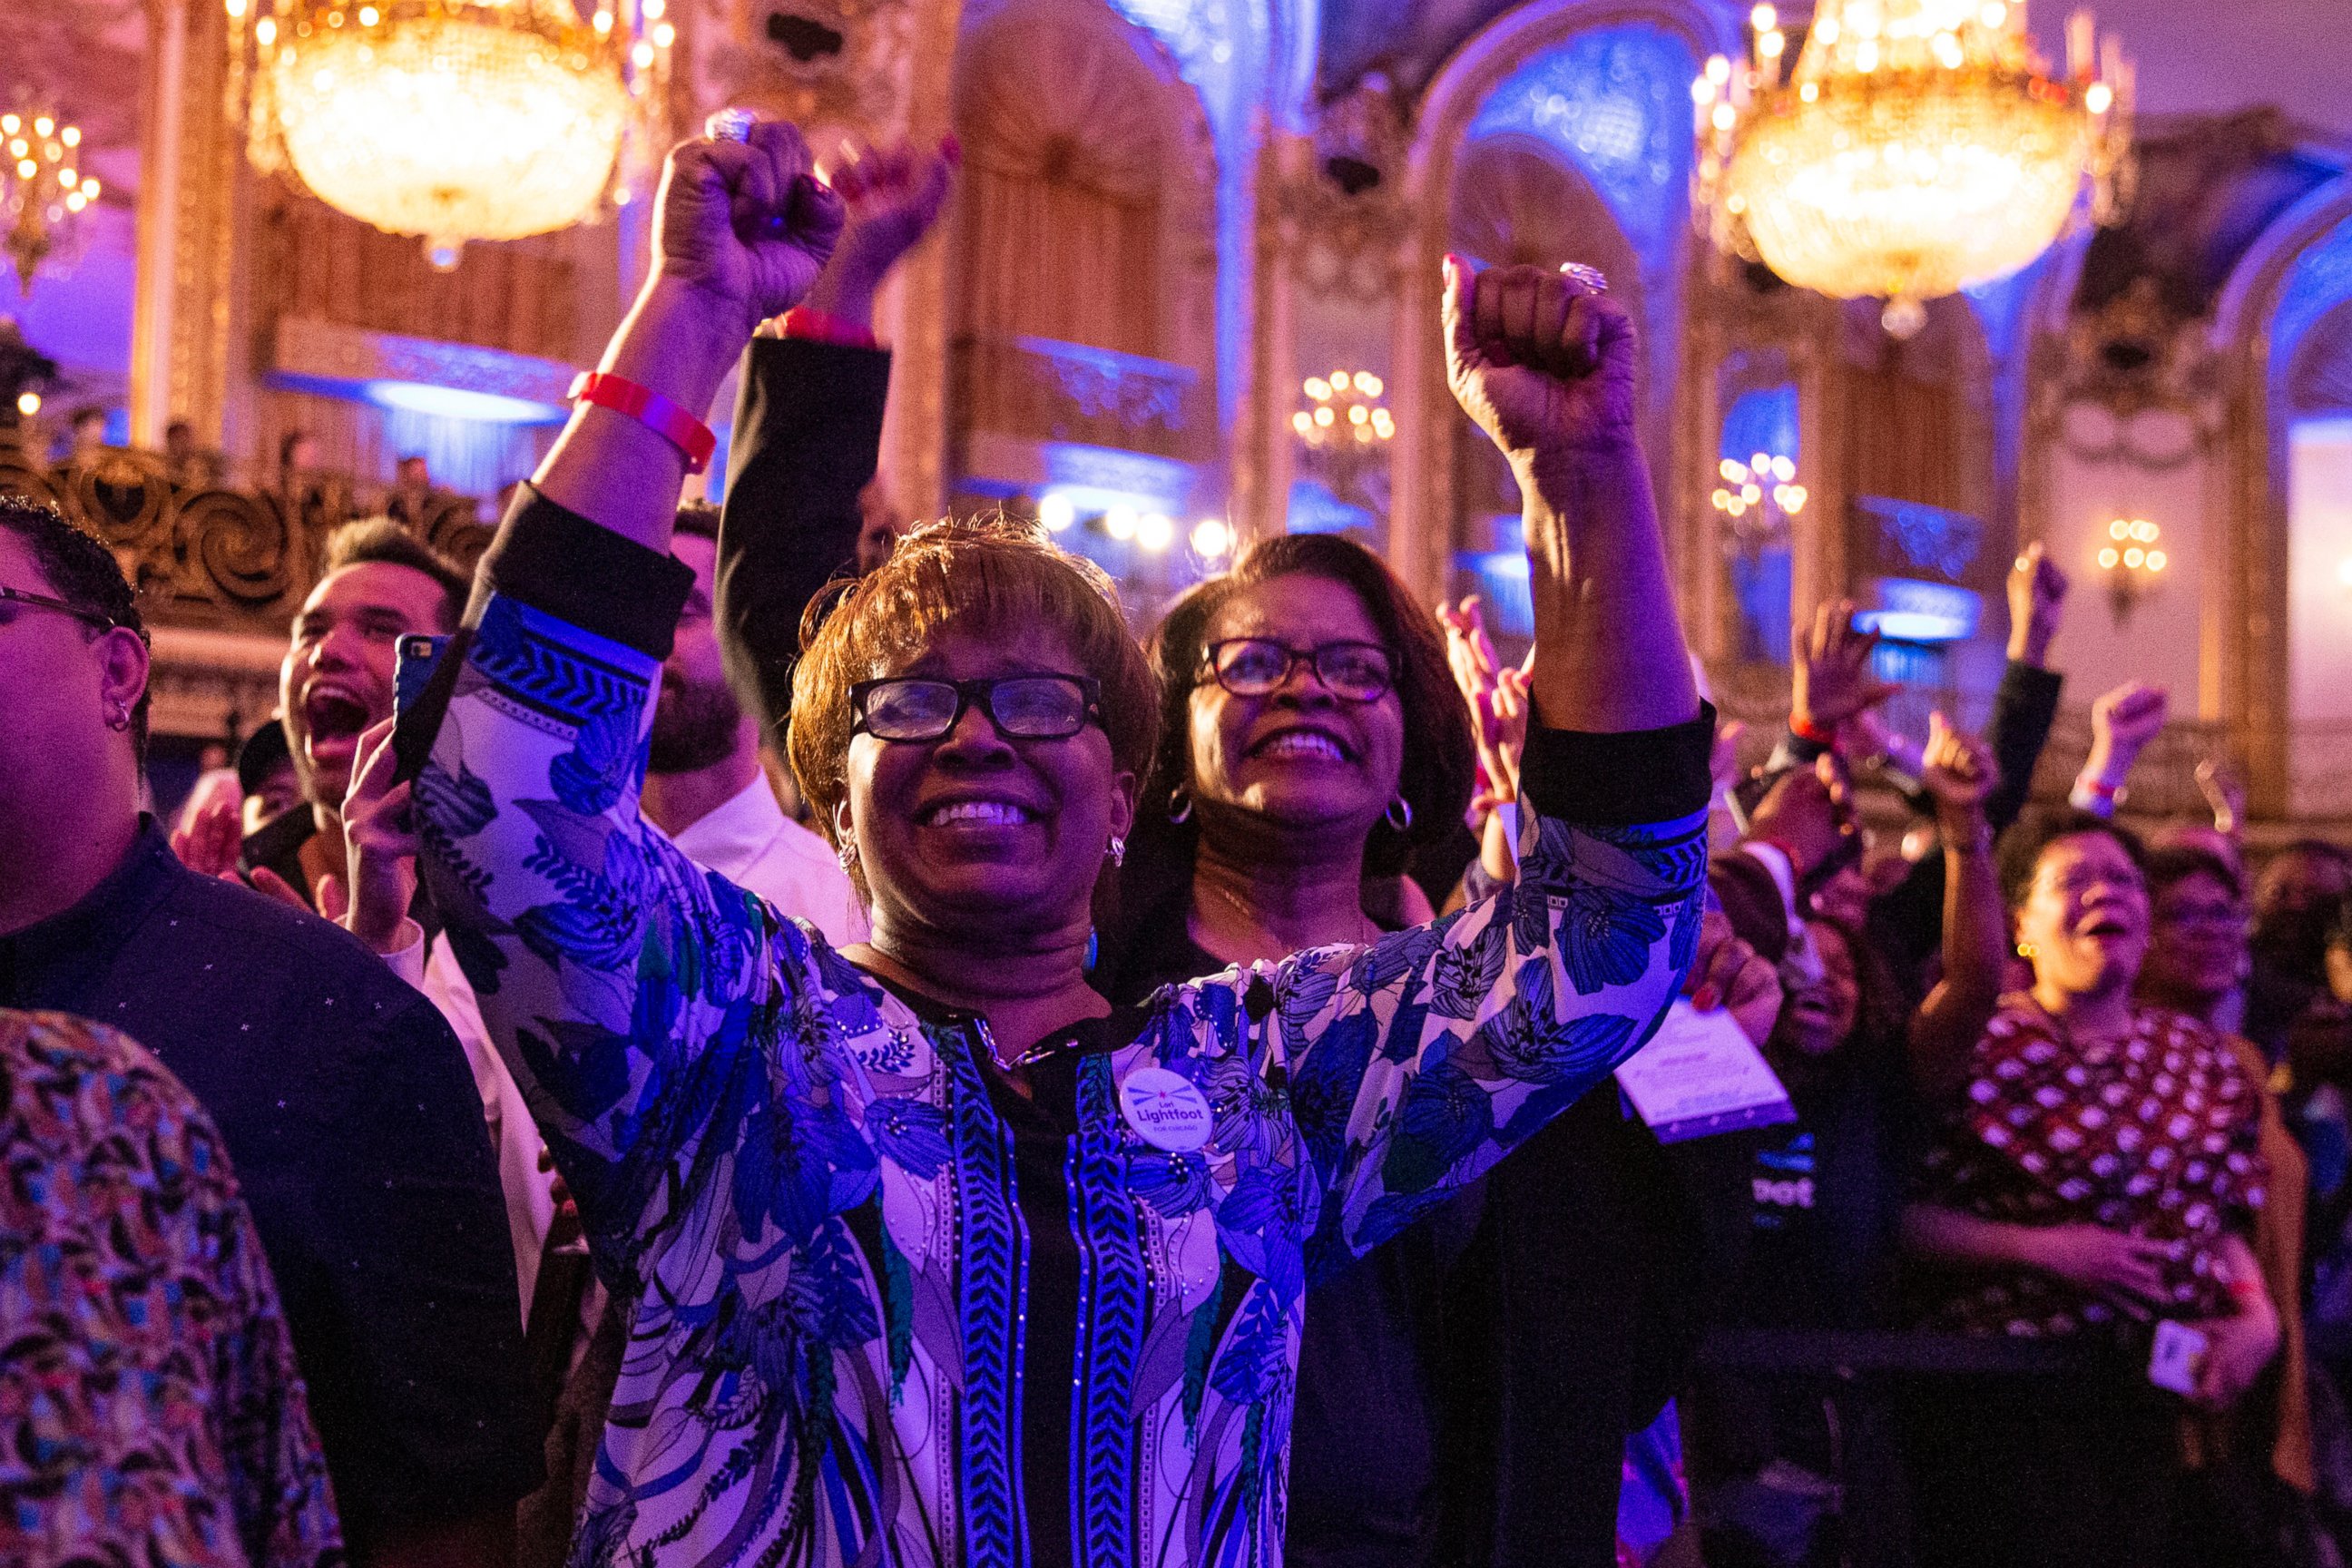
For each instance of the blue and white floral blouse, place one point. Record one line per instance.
(884, 1308)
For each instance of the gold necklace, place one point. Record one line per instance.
(1367, 932)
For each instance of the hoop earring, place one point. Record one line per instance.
(844, 841)
(1179, 806)
(118, 720)
(1399, 814)
(1117, 850)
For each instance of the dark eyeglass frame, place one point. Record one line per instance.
(44, 602)
(969, 693)
(1292, 657)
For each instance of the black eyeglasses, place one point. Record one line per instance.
(1259, 666)
(43, 602)
(1021, 707)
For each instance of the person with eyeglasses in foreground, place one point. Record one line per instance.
(342, 1095)
(934, 1255)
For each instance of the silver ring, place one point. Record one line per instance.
(731, 125)
(1594, 280)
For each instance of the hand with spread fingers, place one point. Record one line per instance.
(1831, 670)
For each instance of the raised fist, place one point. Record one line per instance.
(1543, 363)
(747, 224)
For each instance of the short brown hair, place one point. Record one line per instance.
(1440, 761)
(380, 541)
(980, 574)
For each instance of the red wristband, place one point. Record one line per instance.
(650, 409)
(813, 325)
(1806, 730)
(2102, 788)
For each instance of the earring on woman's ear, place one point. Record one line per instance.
(1180, 806)
(845, 842)
(1399, 814)
(1117, 850)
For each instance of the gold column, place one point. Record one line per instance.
(191, 173)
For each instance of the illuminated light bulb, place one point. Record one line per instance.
(1211, 538)
(1772, 45)
(76, 201)
(1752, 493)
(1810, 91)
(1736, 507)
(1340, 381)
(2156, 560)
(29, 404)
(2107, 559)
(1784, 469)
(1702, 92)
(1795, 503)
(1120, 522)
(1318, 389)
(70, 135)
(1865, 56)
(1826, 30)
(1358, 415)
(1056, 513)
(2120, 528)
(642, 55)
(235, 10)
(1323, 417)
(1368, 384)
(1718, 70)
(27, 169)
(1724, 117)
(1303, 423)
(1995, 14)
(2098, 98)
(1731, 470)
(69, 180)
(10, 124)
(621, 196)
(653, 9)
(602, 22)
(1763, 18)
(2134, 556)
(1363, 431)
(1761, 462)
(1722, 501)
(370, 16)
(19, 147)
(2145, 532)
(664, 35)
(1155, 530)
(45, 126)
(264, 31)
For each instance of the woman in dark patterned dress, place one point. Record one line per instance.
(2101, 1178)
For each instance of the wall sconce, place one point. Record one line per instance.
(2133, 561)
(1758, 498)
(1343, 408)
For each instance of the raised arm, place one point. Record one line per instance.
(1959, 773)
(1417, 1063)
(601, 957)
(808, 426)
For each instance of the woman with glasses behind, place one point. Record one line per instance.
(933, 1257)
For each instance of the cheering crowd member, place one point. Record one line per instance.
(923, 1283)
(339, 1092)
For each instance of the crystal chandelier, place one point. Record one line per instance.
(42, 190)
(455, 119)
(1918, 147)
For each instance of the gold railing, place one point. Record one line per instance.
(212, 559)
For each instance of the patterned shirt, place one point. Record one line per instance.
(149, 1403)
(2155, 1134)
(848, 1288)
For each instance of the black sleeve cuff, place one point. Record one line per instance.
(581, 571)
(2029, 689)
(1620, 780)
